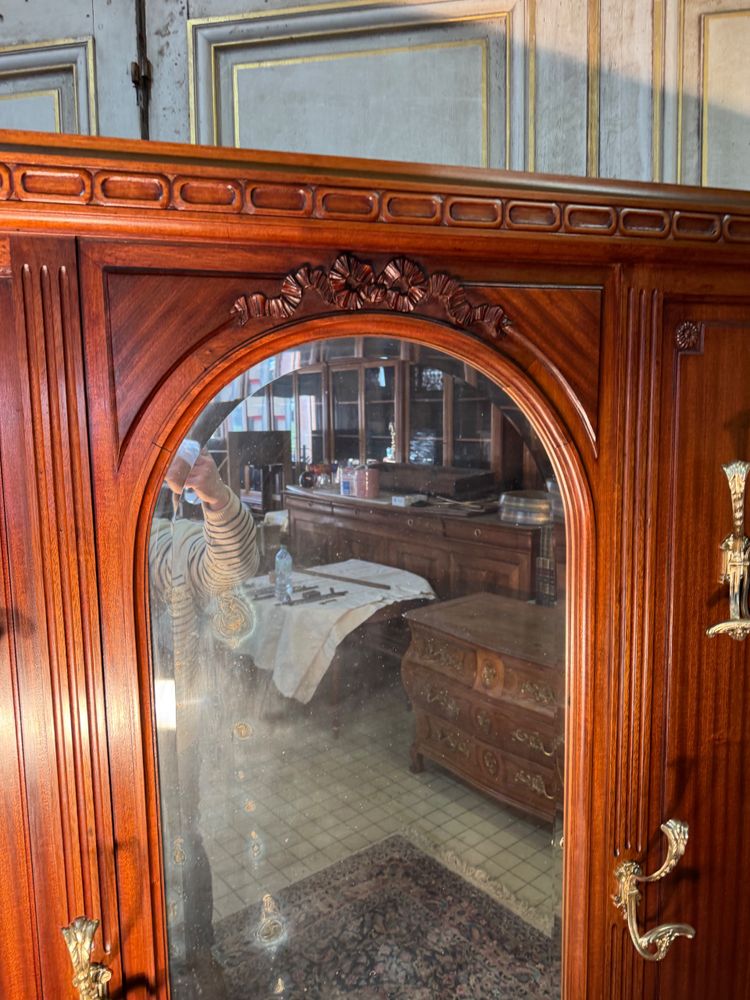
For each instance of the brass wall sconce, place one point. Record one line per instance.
(652, 945)
(735, 559)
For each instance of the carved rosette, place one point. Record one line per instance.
(352, 284)
(405, 284)
(688, 336)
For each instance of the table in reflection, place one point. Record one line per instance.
(296, 644)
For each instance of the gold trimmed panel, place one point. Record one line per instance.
(657, 88)
(481, 43)
(58, 45)
(680, 85)
(706, 21)
(531, 86)
(53, 93)
(594, 47)
(504, 14)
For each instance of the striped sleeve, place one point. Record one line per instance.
(226, 552)
(160, 556)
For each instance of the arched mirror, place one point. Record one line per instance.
(357, 572)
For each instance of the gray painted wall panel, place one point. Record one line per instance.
(671, 80)
(625, 124)
(166, 22)
(561, 80)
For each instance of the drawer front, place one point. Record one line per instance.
(434, 693)
(444, 655)
(518, 732)
(423, 559)
(528, 685)
(478, 568)
(530, 785)
(535, 785)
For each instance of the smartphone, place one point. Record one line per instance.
(189, 451)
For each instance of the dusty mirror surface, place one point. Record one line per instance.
(357, 572)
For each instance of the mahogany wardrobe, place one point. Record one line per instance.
(138, 279)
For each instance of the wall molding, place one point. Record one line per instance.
(218, 47)
(62, 69)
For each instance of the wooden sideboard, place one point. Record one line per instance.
(485, 676)
(458, 555)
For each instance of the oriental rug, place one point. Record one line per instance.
(387, 923)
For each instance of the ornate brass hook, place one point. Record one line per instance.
(90, 978)
(653, 945)
(735, 558)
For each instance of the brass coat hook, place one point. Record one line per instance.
(652, 945)
(735, 558)
(90, 978)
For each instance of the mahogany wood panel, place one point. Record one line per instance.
(654, 726)
(706, 371)
(172, 315)
(52, 593)
(120, 474)
(563, 328)
(16, 879)
(557, 329)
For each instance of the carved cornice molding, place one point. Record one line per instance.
(351, 284)
(126, 185)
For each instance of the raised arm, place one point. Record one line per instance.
(224, 552)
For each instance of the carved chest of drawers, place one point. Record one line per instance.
(485, 676)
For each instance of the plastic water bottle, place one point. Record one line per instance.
(283, 584)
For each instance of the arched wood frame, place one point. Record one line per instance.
(580, 542)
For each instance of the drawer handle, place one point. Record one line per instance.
(535, 741)
(483, 722)
(533, 781)
(90, 978)
(542, 694)
(410, 522)
(453, 742)
(653, 945)
(433, 651)
(477, 532)
(489, 674)
(490, 763)
(439, 696)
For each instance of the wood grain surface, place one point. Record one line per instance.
(120, 267)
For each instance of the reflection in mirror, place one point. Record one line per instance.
(357, 573)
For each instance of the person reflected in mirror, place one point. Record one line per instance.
(194, 567)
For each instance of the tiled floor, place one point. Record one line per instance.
(294, 800)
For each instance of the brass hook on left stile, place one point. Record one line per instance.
(90, 978)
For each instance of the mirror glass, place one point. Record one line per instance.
(357, 586)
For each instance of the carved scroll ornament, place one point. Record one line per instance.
(352, 284)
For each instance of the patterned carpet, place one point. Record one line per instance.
(388, 923)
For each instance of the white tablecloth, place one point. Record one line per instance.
(297, 643)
